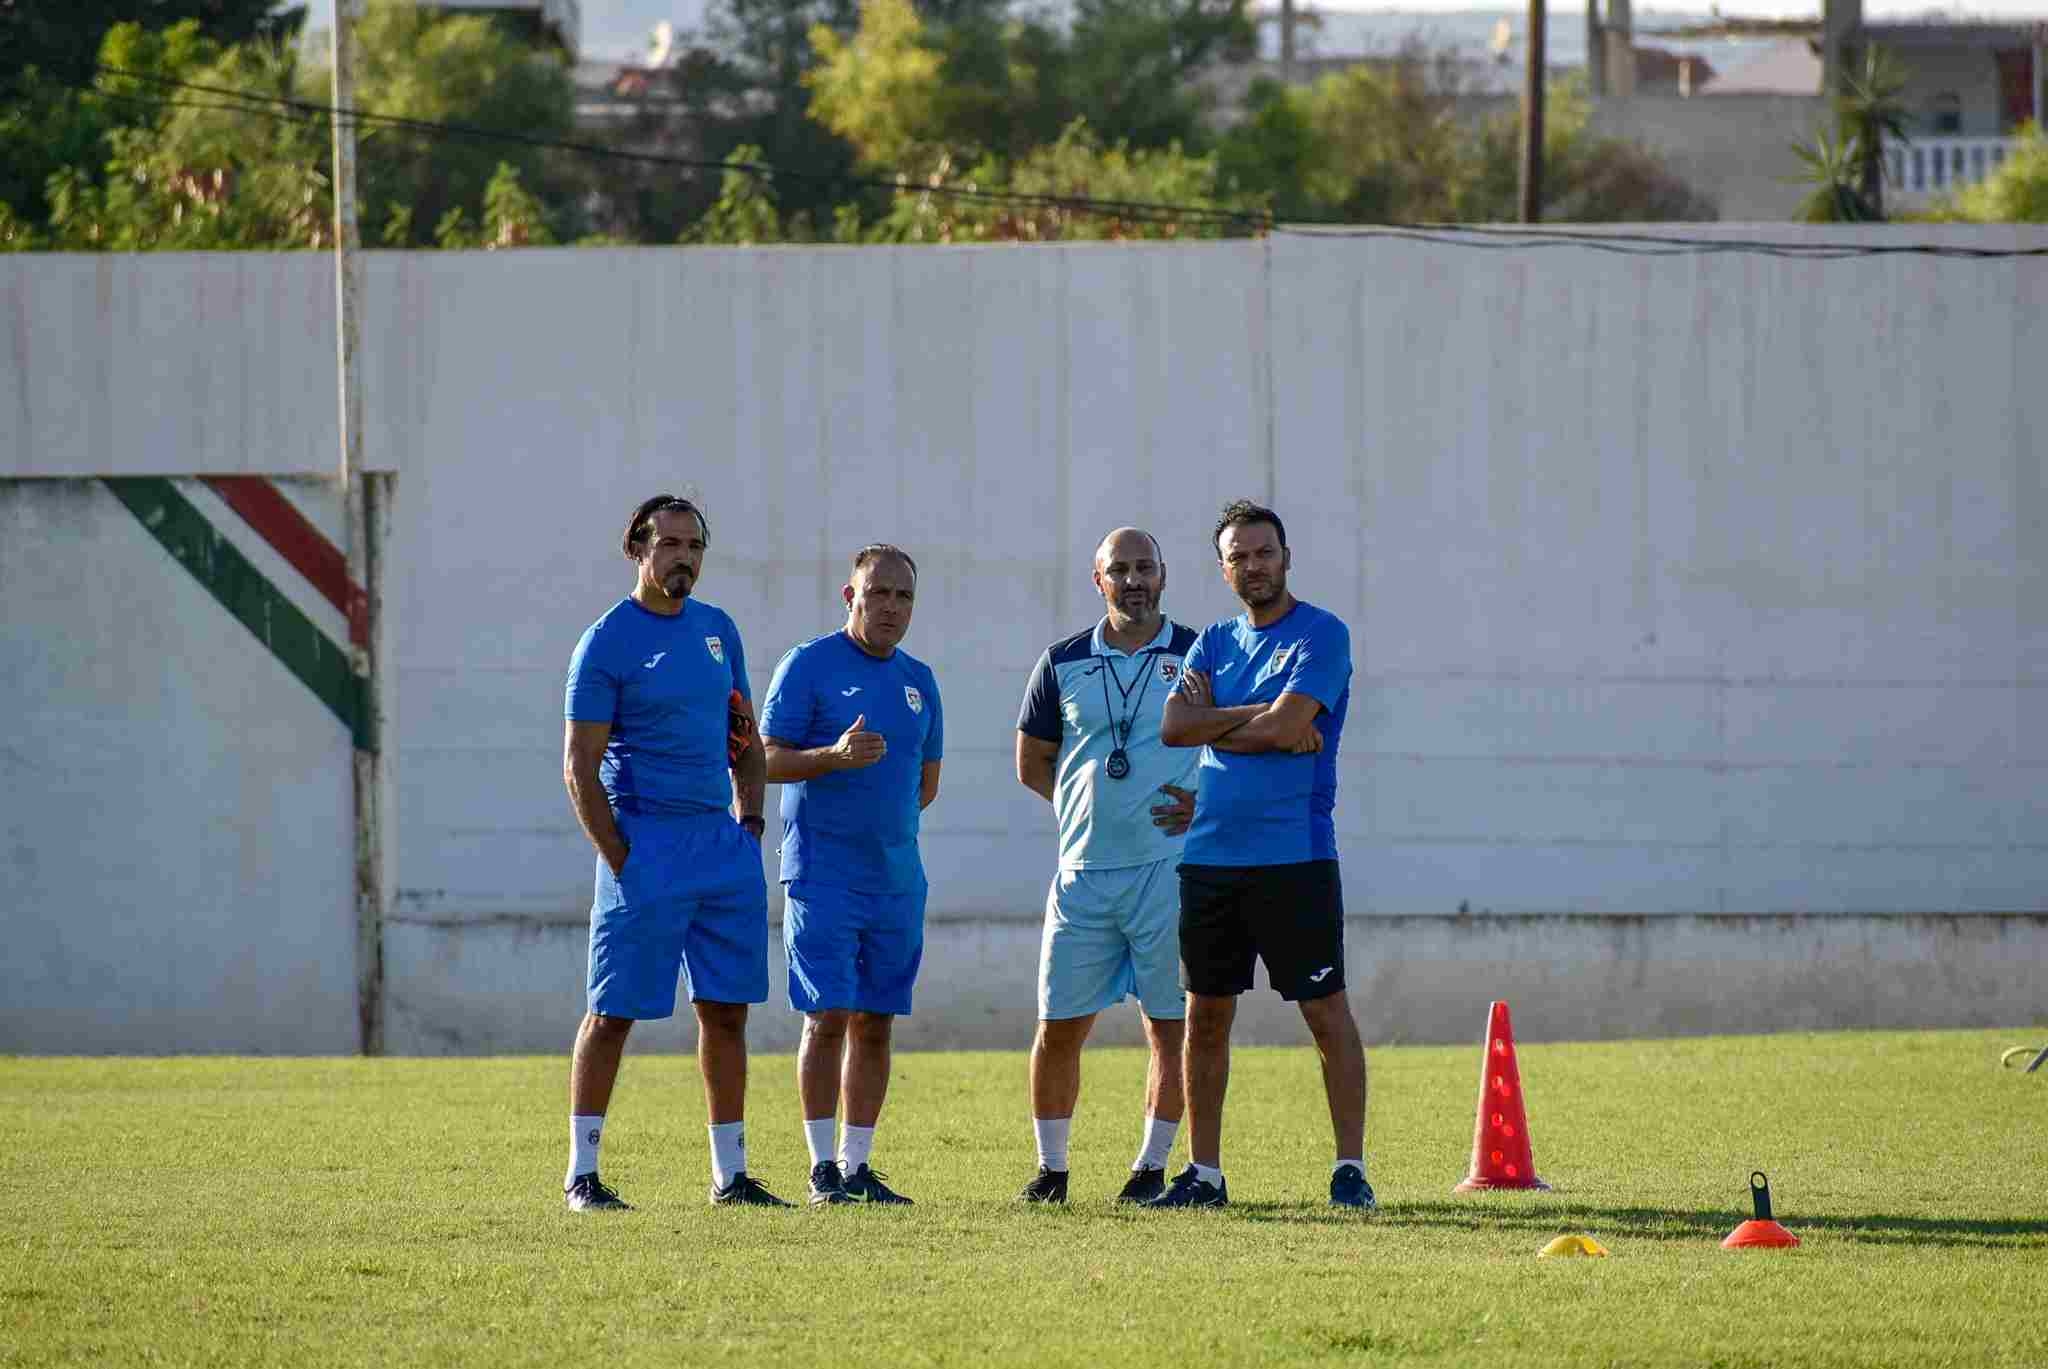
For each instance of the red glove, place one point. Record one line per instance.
(739, 727)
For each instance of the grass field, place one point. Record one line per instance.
(212, 1211)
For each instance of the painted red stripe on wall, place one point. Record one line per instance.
(292, 535)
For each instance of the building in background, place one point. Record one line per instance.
(555, 22)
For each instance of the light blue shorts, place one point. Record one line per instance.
(1109, 933)
(691, 899)
(849, 949)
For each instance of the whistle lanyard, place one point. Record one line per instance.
(1121, 721)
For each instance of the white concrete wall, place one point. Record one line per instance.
(175, 857)
(1684, 588)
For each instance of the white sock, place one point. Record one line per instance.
(1341, 1163)
(818, 1136)
(584, 1134)
(1209, 1176)
(1158, 1148)
(855, 1145)
(728, 1151)
(1052, 1141)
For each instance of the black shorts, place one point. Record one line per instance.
(1290, 916)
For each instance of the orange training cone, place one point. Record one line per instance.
(1500, 1136)
(1760, 1230)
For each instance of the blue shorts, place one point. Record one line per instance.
(692, 899)
(852, 950)
(1109, 933)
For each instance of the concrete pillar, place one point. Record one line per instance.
(1596, 52)
(1841, 22)
(1621, 48)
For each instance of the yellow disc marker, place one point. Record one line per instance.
(1572, 1245)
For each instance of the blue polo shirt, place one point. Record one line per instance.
(663, 683)
(1080, 691)
(856, 829)
(1273, 808)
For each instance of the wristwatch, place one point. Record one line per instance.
(754, 823)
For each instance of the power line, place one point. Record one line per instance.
(303, 111)
(1478, 237)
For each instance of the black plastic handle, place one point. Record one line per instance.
(1760, 1194)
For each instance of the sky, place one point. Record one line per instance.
(619, 28)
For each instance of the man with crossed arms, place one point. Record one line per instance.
(1088, 742)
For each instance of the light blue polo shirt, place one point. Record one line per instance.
(663, 684)
(856, 829)
(1273, 808)
(1079, 688)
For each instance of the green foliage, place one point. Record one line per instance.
(879, 90)
(1871, 109)
(463, 70)
(2015, 193)
(1833, 169)
(747, 211)
(1384, 142)
(195, 170)
(1077, 165)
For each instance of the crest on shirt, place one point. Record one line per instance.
(716, 648)
(1169, 673)
(913, 698)
(1283, 655)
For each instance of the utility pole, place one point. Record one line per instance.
(1532, 120)
(360, 511)
(1286, 42)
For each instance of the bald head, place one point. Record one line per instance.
(1130, 574)
(1129, 544)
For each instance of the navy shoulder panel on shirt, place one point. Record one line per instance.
(1079, 647)
(1183, 639)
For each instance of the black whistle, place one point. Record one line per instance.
(1760, 1194)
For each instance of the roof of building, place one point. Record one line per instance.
(1791, 68)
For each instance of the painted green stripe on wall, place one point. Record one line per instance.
(261, 607)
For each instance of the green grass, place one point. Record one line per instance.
(210, 1211)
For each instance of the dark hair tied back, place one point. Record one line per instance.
(641, 525)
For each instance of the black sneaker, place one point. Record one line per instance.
(745, 1191)
(1191, 1190)
(1348, 1188)
(587, 1193)
(1143, 1186)
(826, 1185)
(1049, 1187)
(865, 1185)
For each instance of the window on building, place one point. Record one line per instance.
(1945, 114)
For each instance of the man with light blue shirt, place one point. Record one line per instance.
(854, 731)
(657, 708)
(1264, 695)
(1088, 743)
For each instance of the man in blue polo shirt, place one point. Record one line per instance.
(1088, 743)
(853, 730)
(1264, 695)
(657, 689)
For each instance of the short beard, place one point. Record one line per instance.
(1274, 588)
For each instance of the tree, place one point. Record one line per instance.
(235, 165)
(462, 70)
(1869, 111)
(2015, 193)
(879, 89)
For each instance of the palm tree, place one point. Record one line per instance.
(1868, 112)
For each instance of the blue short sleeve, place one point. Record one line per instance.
(1198, 654)
(935, 738)
(739, 662)
(1321, 668)
(592, 692)
(1040, 715)
(790, 709)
